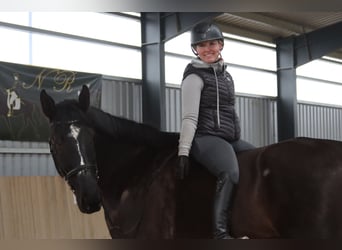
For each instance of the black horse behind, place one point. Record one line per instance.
(286, 190)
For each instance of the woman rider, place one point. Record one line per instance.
(210, 130)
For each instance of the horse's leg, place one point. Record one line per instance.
(110, 206)
(158, 221)
(113, 231)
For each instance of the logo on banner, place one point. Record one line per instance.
(20, 86)
(13, 99)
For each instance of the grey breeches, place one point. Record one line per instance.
(218, 155)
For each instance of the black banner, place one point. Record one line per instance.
(21, 117)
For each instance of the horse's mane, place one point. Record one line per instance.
(118, 128)
(125, 130)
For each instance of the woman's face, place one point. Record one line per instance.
(209, 51)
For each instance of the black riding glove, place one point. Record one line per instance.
(183, 167)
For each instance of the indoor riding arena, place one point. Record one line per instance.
(286, 68)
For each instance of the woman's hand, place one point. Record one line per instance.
(183, 167)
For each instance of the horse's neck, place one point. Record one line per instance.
(123, 164)
(123, 130)
(126, 148)
(118, 160)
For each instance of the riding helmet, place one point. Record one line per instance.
(205, 32)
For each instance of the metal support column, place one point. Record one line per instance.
(287, 89)
(153, 70)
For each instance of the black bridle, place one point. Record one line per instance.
(80, 169)
(83, 168)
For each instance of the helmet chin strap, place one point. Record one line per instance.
(193, 50)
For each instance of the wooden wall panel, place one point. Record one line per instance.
(42, 207)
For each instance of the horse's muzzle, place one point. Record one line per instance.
(89, 209)
(89, 204)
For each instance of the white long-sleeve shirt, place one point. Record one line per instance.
(191, 89)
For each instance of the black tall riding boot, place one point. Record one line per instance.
(224, 189)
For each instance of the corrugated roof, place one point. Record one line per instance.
(268, 26)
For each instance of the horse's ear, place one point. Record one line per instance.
(84, 98)
(48, 104)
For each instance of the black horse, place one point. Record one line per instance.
(286, 190)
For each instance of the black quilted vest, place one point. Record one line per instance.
(228, 125)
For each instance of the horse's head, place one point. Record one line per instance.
(72, 147)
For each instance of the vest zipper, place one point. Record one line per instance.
(217, 99)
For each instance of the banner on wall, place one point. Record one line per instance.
(21, 117)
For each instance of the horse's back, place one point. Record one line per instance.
(290, 190)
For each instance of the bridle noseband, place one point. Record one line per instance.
(79, 169)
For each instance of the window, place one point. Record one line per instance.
(19, 18)
(179, 45)
(58, 52)
(311, 90)
(102, 26)
(248, 54)
(322, 69)
(174, 68)
(252, 81)
(103, 43)
(320, 81)
(14, 46)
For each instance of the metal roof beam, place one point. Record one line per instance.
(318, 43)
(274, 23)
